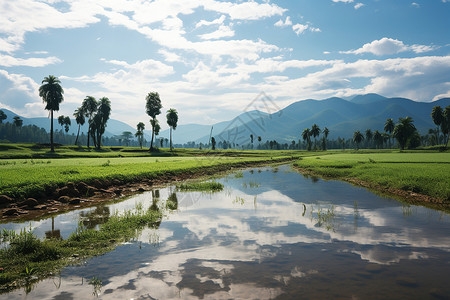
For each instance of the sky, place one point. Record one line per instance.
(209, 59)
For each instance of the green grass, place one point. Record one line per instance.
(31, 177)
(209, 186)
(424, 173)
(28, 258)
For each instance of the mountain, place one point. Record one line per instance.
(342, 117)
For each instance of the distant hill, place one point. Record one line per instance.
(342, 117)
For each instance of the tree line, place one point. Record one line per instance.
(97, 114)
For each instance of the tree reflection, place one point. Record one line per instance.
(53, 234)
(155, 200)
(172, 201)
(91, 219)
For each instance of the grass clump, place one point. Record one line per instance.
(210, 186)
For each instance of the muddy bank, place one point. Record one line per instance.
(75, 195)
(408, 196)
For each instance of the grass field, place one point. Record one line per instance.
(26, 177)
(420, 172)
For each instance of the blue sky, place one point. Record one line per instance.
(210, 58)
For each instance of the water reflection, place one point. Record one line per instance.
(283, 237)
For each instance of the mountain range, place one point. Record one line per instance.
(342, 117)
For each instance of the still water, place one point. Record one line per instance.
(270, 234)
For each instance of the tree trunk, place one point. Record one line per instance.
(52, 149)
(171, 139)
(78, 134)
(153, 134)
(89, 134)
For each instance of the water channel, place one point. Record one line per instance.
(271, 233)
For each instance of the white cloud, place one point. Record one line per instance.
(284, 23)
(10, 61)
(222, 32)
(417, 78)
(170, 56)
(344, 1)
(415, 4)
(358, 5)
(388, 46)
(20, 17)
(218, 21)
(301, 28)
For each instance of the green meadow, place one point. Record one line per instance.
(421, 172)
(25, 177)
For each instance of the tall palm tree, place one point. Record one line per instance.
(80, 119)
(153, 107)
(325, 132)
(315, 132)
(404, 130)
(446, 124)
(389, 127)
(172, 119)
(437, 116)
(378, 139)
(306, 135)
(357, 138)
(89, 107)
(369, 136)
(100, 119)
(61, 121)
(140, 133)
(51, 93)
(67, 123)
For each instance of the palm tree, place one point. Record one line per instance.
(51, 93)
(89, 107)
(155, 125)
(64, 122)
(315, 131)
(445, 124)
(80, 119)
(389, 127)
(369, 136)
(61, 121)
(306, 135)
(437, 116)
(153, 107)
(378, 139)
(357, 138)
(2, 116)
(99, 121)
(172, 119)
(67, 123)
(404, 130)
(325, 132)
(140, 133)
